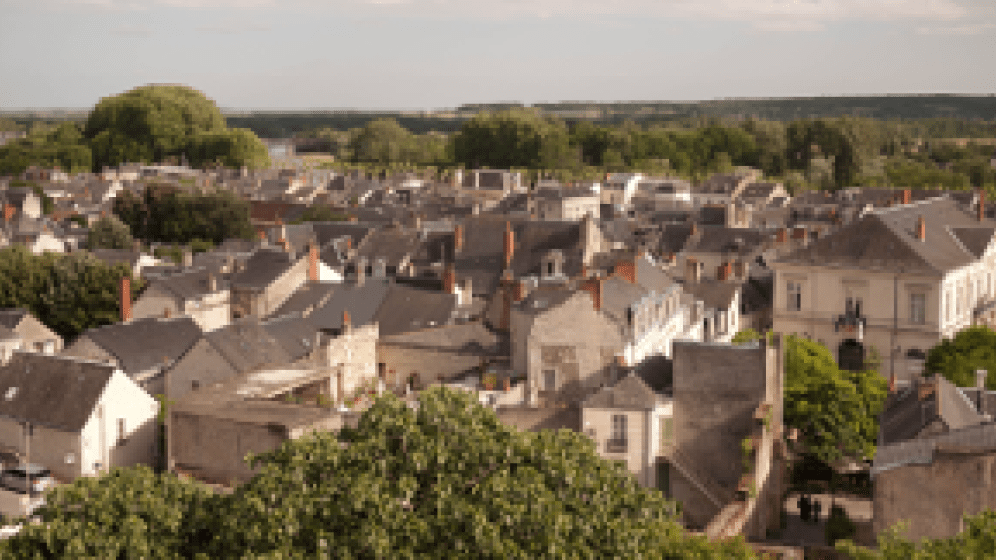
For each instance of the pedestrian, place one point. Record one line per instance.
(804, 508)
(816, 511)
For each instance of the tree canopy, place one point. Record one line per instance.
(109, 232)
(446, 480)
(836, 411)
(150, 123)
(976, 542)
(48, 147)
(958, 358)
(513, 138)
(167, 214)
(69, 293)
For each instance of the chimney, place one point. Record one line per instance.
(361, 271)
(346, 322)
(125, 293)
(926, 389)
(8, 212)
(593, 286)
(519, 292)
(921, 228)
(509, 245)
(212, 283)
(626, 270)
(723, 272)
(906, 196)
(980, 379)
(458, 238)
(799, 233)
(166, 313)
(691, 271)
(982, 205)
(352, 219)
(449, 279)
(312, 262)
(695, 228)
(740, 269)
(188, 258)
(781, 236)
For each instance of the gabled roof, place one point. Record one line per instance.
(53, 391)
(906, 414)
(405, 308)
(393, 244)
(979, 437)
(713, 293)
(263, 267)
(294, 334)
(618, 295)
(630, 392)
(362, 302)
(247, 346)
(143, 344)
(726, 240)
(307, 298)
(887, 239)
(187, 284)
(11, 317)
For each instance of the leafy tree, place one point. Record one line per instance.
(235, 147)
(745, 336)
(109, 233)
(446, 480)
(976, 542)
(958, 358)
(834, 410)
(47, 147)
(320, 214)
(513, 138)
(166, 214)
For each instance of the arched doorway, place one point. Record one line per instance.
(851, 355)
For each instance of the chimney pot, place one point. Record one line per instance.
(692, 271)
(449, 279)
(906, 196)
(458, 238)
(125, 294)
(921, 228)
(509, 245)
(781, 236)
(313, 262)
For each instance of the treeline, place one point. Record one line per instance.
(807, 153)
(147, 124)
(166, 214)
(69, 293)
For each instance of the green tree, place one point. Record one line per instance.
(47, 147)
(746, 336)
(235, 147)
(836, 411)
(166, 214)
(976, 542)
(381, 141)
(320, 214)
(514, 138)
(109, 233)
(958, 358)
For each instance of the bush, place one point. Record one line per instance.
(839, 525)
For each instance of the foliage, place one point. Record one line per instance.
(958, 358)
(446, 480)
(127, 513)
(320, 214)
(151, 123)
(47, 147)
(171, 252)
(839, 525)
(976, 542)
(746, 336)
(834, 410)
(47, 206)
(513, 138)
(168, 215)
(384, 141)
(68, 293)
(80, 220)
(109, 232)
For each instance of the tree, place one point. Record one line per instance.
(513, 138)
(47, 147)
(834, 410)
(109, 233)
(320, 214)
(746, 336)
(446, 480)
(166, 214)
(154, 122)
(958, 358)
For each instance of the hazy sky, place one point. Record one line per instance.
(442, 53)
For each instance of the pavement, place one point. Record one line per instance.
(808, 533)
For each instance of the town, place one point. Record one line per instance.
(783, 368)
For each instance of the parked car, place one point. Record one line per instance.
(27, 478)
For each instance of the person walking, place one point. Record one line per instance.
(816, 511)
(803, 508)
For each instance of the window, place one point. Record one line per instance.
(853, 305)
(918, 308)
(667, 431)
(122, 434)
(794, 296)
(549, 379)
(617, 443)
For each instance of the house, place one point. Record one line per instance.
(721, 297)
(618, 188)
(437, 354)
(269, 277)
(659, 193)
(723, 188)
(197, 293)
(565, 205)
(35, 335)
(928, 407)
(931, 483)
(899, 280)
(75, 417)
(143, 349)
(22, 202)
(763, 194)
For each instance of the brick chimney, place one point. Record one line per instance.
(691, 271)
(921, 228)
(346, 322)
(740, 270)
(723, 272)
(799, 233)
(520, 291)
(449, 279)
(361, 271)
(906, 196)
(593, 286)
(626, 270)
(509, 244)
(781, 236)
(458, 238)
(695, 228)
(125, 294)
(8, 212)
(312, 262)
(167, 313)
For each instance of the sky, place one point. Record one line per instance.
(430, 54)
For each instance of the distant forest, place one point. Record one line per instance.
(940, 116)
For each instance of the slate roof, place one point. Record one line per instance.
(980, 437)
(405, 308)
(905, 415)
(294, 334)
(11, 317)
(720, 183)
(263, 267)
(362, 302)
(758, 190)
(325, 232)
(617, 297)
(144, 344)
(713, 293)
(188, 284)
(726, 240)
(630, 392)
(307, 298)
(53, 391)
(886, 239)
(117, 256)
(247, 346)
(392, 244)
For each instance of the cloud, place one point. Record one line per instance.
(966, 29)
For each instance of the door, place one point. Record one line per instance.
(664, 478)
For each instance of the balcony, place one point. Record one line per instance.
(616, 446)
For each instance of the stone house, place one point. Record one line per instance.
(899, 280)
(143, 349)
(436, 354)
(199, 294)
(269, 277)
(75, 417)
(35, 335)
